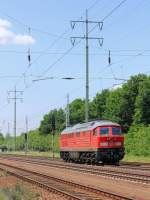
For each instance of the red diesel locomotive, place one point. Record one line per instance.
(96, 141)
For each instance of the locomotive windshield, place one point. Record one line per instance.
(116, 131)
(104, 131)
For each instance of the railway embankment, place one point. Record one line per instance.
(125, 187)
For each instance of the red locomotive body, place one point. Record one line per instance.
(96, 141)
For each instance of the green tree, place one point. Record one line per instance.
(98, 105)
(77, 111)
(46, 123)
(113, 109)
(137, 141)
(142, 104)
(130, 92)
(1, 139)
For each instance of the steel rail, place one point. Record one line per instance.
(140, 178)
(123, 164)
(8, 168)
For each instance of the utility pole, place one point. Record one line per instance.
(8, 129)
(67, 112)
(53, 151)
(15, 98)
(8, 135)
(53, 126)
(87, 38)
(26, 135)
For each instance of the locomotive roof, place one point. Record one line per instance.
(88, 126)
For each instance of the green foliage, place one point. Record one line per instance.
(130, 91)
(113, 106)
(124, 105)
(1, 139)
(77, 111)
(137, 141)
(36, 142)
(3, 147)
(128, 106)
(121, 103)
(46, 123)
(142, 104)
(39, 142)
(98, 105)
(3, 196)
(18, 192)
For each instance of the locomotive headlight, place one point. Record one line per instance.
(118, 143)
(104, 144)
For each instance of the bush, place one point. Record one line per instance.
(137, 141)
(36, 142)
(18, 192)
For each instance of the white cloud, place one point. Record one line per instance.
(23, 39)
(4, 23)
(9, 37)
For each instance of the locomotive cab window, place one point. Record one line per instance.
(104, 131)
(116, 131)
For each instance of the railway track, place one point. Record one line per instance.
(67, 189)
(114, 173)
(137, 167)
(124, 165)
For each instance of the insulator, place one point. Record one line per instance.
(109, 58)
(29, 58)
(29, 55)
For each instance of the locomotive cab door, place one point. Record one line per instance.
(94, 138)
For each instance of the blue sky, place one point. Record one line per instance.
(125, 32)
